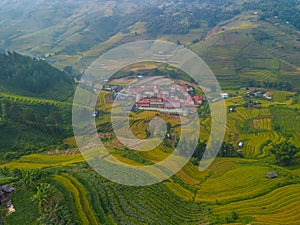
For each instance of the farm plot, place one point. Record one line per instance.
(287, 119)
(262, 124)
(240, 183)
(259, 75)
(255, 144)
(39, 161)
(280, 206)
(143, 205)
(79, 194)
(281, 96)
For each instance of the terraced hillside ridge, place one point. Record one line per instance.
(25, 76)
(36, 103)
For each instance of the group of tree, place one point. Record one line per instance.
(280, 85)
(285, 153)
(285, 10)
(24, 75)
(179, 18)
(226, 150)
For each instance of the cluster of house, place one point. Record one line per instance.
(167, 98)
(261, 94)
(164, 105)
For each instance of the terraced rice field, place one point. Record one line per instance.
(102, 103)
(205, 128)
(180, 191)
(255, 145)
(241, 185)
(137, 205)
(237, 121)
(262, 124)
(79, 194)
(281, 96)
(234, 100)
(260, 75)
(237, 184)
(278, 207)
(39, 161)
(287, 119)
(295, 138)
(34, 101)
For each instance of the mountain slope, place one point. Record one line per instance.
(35, 112)
(22, 75)
(244, 42)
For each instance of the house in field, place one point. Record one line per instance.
(6, 192)
(268, 95)
(198, 100)
(232, 109)
(272, 175)
(224, 95)
(240, 146)
(95, 114)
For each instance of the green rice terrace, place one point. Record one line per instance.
(233, 190)
(252, 47)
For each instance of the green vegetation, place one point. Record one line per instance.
(79, 195)
(34, 114)
(253, 49)
(26, 209)
(25, 76)
(284, 153)
(286, 10)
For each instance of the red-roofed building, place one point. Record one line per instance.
(198, 100)
(185, 87)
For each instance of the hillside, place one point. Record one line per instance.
(252, 46)
(244, 42)
(222, 194)
(25, 76)
(35, 100)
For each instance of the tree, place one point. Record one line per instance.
(42, 195)
(56, 117)
(285, 152)
(4, 171)
(28, 115)
(227, 150)
(200, 149)
(169, 126)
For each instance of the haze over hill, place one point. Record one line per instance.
(244, 42)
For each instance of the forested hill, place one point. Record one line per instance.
(23, 75)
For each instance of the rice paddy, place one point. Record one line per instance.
(280, 206)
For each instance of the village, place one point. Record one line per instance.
(164, 96)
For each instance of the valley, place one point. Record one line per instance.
(252, 47)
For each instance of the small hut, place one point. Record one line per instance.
(272, 175)
(6, 192)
